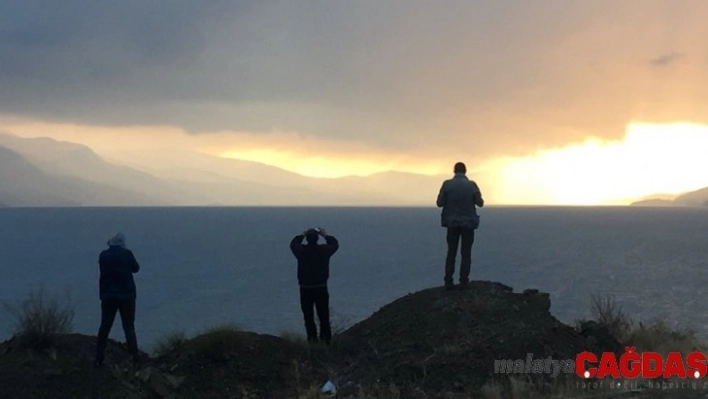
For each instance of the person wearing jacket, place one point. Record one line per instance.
(312, 276)
(117, 293)
(459, 198)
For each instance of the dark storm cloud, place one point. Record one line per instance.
(468, 76)
(48, 39)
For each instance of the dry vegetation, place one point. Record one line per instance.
(41, 317)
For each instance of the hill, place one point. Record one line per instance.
(693, 198)
(430, 344)
(436, 341)
(654, 202)
(24, 184)
(74, 161)
(190, 178)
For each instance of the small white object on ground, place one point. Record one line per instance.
(329, 388)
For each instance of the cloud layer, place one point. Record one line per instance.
(459, 79)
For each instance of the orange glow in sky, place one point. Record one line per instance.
(651, 159)
(328, 165)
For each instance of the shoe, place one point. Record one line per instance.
(449, 287)
(464, 285)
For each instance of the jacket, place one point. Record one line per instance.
(459, 198)
(313, 260)
(117, 267)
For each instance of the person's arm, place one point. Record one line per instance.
(332, 243)
(478, 200)
(134, 265)
(296, 244)
(442, 197)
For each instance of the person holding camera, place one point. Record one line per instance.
(117, 293)
(312, 276)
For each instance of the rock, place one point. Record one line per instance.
(600, 336)
(145, 373)
(536, 299)
(174, 380)
(161, 383)
(160, 388)
(491, 322)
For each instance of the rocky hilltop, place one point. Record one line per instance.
(433, 343)
(437, 341)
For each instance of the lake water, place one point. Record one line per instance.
(207, 266)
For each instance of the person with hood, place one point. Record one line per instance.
(312, 275)
(459, 198)
(117, 293)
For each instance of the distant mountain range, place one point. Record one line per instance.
(692, 198)
(46, 172)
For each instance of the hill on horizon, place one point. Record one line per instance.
(696, 198)
(184, 179)
(24, 184)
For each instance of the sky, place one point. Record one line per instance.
(547, 101)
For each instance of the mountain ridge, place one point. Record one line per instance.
(24, 184)
(194, 179)
(695, 198)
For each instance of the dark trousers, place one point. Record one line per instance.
(127, 318)
(454, 236)
(317, 298)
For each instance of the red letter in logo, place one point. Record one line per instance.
(630, 363)
(608, 365)
(652, 365)
(580, 369)
(696, 362)
(674, 366)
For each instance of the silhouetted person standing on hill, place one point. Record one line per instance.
(459, 198)
(117, 293)
(312, 276)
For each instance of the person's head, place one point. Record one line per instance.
(117, 240)
(460, 168)
(312, 235)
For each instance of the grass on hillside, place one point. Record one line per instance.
(41, 317)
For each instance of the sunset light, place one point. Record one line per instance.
(260, 162)
(651, 159)
(332, 165)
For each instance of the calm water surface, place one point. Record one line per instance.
(208, 266)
